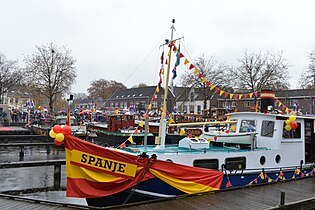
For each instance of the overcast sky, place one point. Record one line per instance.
(119, 39)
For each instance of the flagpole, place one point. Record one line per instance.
(161, 138)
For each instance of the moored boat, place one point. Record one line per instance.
(111, 176)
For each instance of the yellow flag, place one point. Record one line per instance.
(262, 176)
(157, 89)
(251, 95)
(150, 106)
(170, 121)
(181, 132)
(269, 180)
(130, 139)
(212, 87)
(186, 61)
(162, 72)
(231, 95)
(203, 80)
(196, 71)
(221, 92)
(141, 124)
(287, 110)
(209, 140)
(240, 96)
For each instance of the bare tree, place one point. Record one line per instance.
(10, 75)
(51, 71)
(214, 73)
(307, 79)
(103, 88)
(257, 71)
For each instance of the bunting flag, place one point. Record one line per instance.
(150, 106)
(162, 58)
(186, 61)
(208, 84)
(161, 73)
(240, 96)
(181, 132)
(231, 95)
(170, 121)
(94, 171)
(157, 89)
(181, 55)
(136, 131)
(123, 145)
(196, 71)
(174, 73)
(166, 62)
(177, 57)
(250, 95)
(191, 66)
(141, 124)
(200, 76)
(212, 87)
(226, 94)
(228, 184)
(203, 80)
(221, 92)
(130, 139)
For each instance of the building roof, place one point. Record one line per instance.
(140, 92)
(296, 93)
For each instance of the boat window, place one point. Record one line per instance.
(248, 126)
(207, 163)
(293, 133)
(238, 163)
(267, 128)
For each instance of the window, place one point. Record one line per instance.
(154, 104)
(238, 163)
(248, 126)
(233, 104)
(198, 108)
(225, 104)
(293, 133)
(246, 103)
(207, 163)
(267, 128)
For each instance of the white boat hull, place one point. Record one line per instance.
(231, 138)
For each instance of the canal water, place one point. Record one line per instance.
(34, 177)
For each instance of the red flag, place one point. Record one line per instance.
(191, 66)
(208, 84)
(216, 90)
(166, 62)
(256, 94)
(200, 76)
(162, 57)
(136, 131)
(181, 55)
(123, 145)
(226, 94)
(245, 95)
(235, 96)
(228, 184)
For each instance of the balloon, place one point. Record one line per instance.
(66, 130)
(52, 134)
(57, 129)
(60, 137)
(288, 127)
(287, 122)
(292, 118)
(294, 125)
(57, 142)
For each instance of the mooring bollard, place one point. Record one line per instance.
(282, 198)
(57, 176)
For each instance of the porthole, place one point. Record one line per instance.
(278, 159)
(169, 160)
(262, 160)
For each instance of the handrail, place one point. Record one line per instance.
(203, 123)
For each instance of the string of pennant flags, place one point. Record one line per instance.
(280, 177)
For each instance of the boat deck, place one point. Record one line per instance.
(174, 149)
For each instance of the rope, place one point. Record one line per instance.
(146, 169)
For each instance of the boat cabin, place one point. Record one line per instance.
(120, 121)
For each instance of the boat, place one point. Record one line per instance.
(108, 176)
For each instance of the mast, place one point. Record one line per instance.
(162, 128)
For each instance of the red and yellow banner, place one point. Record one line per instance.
(94, 171)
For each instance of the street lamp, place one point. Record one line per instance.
(68, 112)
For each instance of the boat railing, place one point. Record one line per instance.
(202, 123)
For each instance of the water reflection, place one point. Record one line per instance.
(34, 177)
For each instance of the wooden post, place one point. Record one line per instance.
(282, 198)
(21, 151)
(57, 176)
